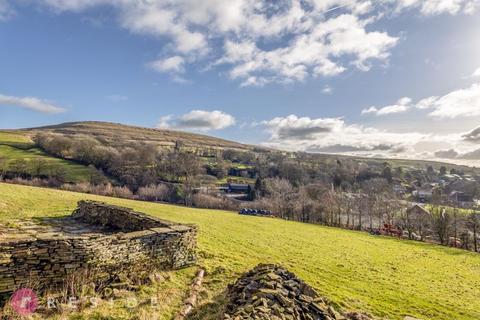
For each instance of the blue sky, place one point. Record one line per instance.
(393, 78)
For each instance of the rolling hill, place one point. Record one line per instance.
(386, 277)
(114, 134)
(17, 145)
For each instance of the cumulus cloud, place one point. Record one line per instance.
(446, 154)
(311, 38)
(455, 104)
(401, 106)
(436, 7)
(472, 155)
(30, 103)
(303, 128)
(458, 103)
(264, 41)
(334, 135)
(316, 52)
(426, 103)
(327, 89)
(6, 11)
(173, 64)
(476, 74)
(472, 136)
(200, 120)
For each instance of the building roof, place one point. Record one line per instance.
(420, 208)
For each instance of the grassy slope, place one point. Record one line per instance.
(17, 145)
(384, 276)
(114, 134)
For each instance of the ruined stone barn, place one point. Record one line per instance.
(102, 238)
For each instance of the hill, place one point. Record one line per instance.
(17, 149)
(385, 276)
(115, 134)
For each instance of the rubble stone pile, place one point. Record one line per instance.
(271, 292)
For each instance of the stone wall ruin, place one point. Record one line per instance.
(97, 236)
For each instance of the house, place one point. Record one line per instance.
(427, 192)
(423, 194)
(418, 210)
(461, 198)
(399, 189)
(238, 188)
(418, 219)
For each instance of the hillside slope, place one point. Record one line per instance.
(385, 276)
(115, 134)
(17, 145)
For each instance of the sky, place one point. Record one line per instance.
(385, 78)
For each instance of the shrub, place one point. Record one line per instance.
(203, 200)
(152, 192)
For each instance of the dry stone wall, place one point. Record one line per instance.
(97, 237)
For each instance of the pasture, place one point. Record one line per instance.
(386, 277)
(18, 146)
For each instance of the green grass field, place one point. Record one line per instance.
(15, 145)
(386, 277)
(16, 139)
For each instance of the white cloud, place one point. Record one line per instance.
(476, 74)
(173, 64)
(401, 106)
(369, 110)
(305, 38)
(6, 11)
(327, 89)
(334, 135)
(309, 43)
(200, 120)
(317, 52)
(436, 7)
(458, 103)
(426, 103)
(30, 103)
(295, 128)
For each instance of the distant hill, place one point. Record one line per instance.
(115, 134)
(119, 135)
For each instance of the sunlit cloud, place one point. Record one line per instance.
(200, 120)
(30, 103)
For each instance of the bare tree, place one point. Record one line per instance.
(281, 192)
(441, 224)
(159, 192)
(407, 221)
(473, 224)
(304, 204)
(375, 190)
(362, 209)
